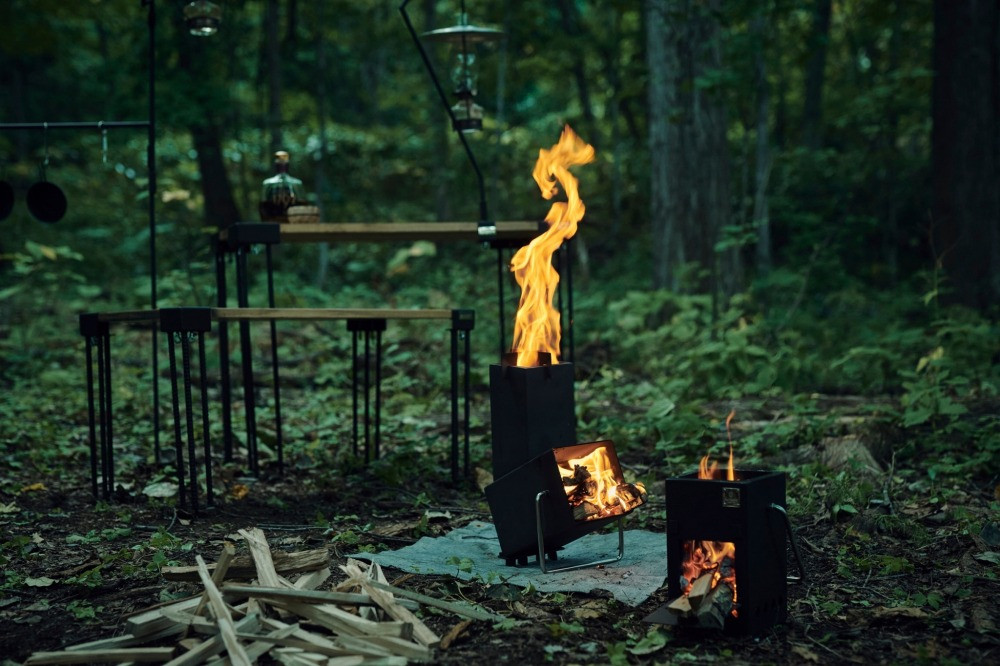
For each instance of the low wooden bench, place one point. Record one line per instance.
(182, 325)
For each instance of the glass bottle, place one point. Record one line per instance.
(279, 191)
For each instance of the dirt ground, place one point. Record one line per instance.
(921, 588)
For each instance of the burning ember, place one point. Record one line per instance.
(706, 564)
(537, 325)
(595, 488)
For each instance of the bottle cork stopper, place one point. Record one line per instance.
(281, 156)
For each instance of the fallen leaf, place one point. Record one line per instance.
(483, 478)
(437, 515)
(9, 508)
(455, 632)
(37, 539)
(33, 487)
(43, 581)
(238, 491)
(982, 620)
(991, 531)
(652, 642)
(900, 611)
(589, 610)
(990, 556)
(160, 489)
(805, 653)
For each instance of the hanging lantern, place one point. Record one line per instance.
(464, 39)
(202, 18)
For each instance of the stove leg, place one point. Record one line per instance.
(540, 527)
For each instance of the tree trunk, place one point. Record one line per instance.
(761, 216)
(220, 205)
(662, 62)
(812, 107)
(964, 147)
(272, 47)
(689, 153)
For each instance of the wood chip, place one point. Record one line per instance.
(237, 655)
(243, 567)
(146, 655)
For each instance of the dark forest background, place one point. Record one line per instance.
(789, 196)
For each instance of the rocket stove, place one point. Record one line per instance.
(726, 559)
(549, 489)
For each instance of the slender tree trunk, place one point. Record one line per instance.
(273, 50)
(662, 63)
(891, 234)
(812, 107)
(964, 144)
(761, 216)
(220, 204)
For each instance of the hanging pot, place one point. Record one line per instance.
(46, 201)
(6, 199)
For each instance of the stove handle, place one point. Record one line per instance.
(795, 545)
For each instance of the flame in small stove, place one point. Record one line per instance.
(595, 488)
(537, 325)
(715, 557)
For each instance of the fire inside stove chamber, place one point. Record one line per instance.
(708, 571)
(594, 485)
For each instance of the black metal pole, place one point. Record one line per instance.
(500, 290)
(102, 407)
(151, 203)
(224, 362)
(354, 391)
(454, 404)
(465, 388)
(206, 439)
(110, 413)
(88, 342)
(246, 359)
(175, 400)
(569, 297)
(73, 125)
(189, 418)
(378, 394)
(279, 440)
(367, 393)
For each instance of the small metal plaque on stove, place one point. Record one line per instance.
(731, 498)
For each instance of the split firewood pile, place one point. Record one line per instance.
(278, 613)
(704, 605)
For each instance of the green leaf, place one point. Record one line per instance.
(652, 642)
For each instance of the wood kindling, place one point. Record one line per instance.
(360, 621)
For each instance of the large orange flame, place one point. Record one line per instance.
(537, 325)
(593, 483)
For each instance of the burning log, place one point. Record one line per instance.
(705, 606)
(714, 608)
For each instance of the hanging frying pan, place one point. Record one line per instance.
(6, 199)
(46, 200)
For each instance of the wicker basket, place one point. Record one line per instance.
(303, 214)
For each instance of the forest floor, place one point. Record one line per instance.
(901, 567)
